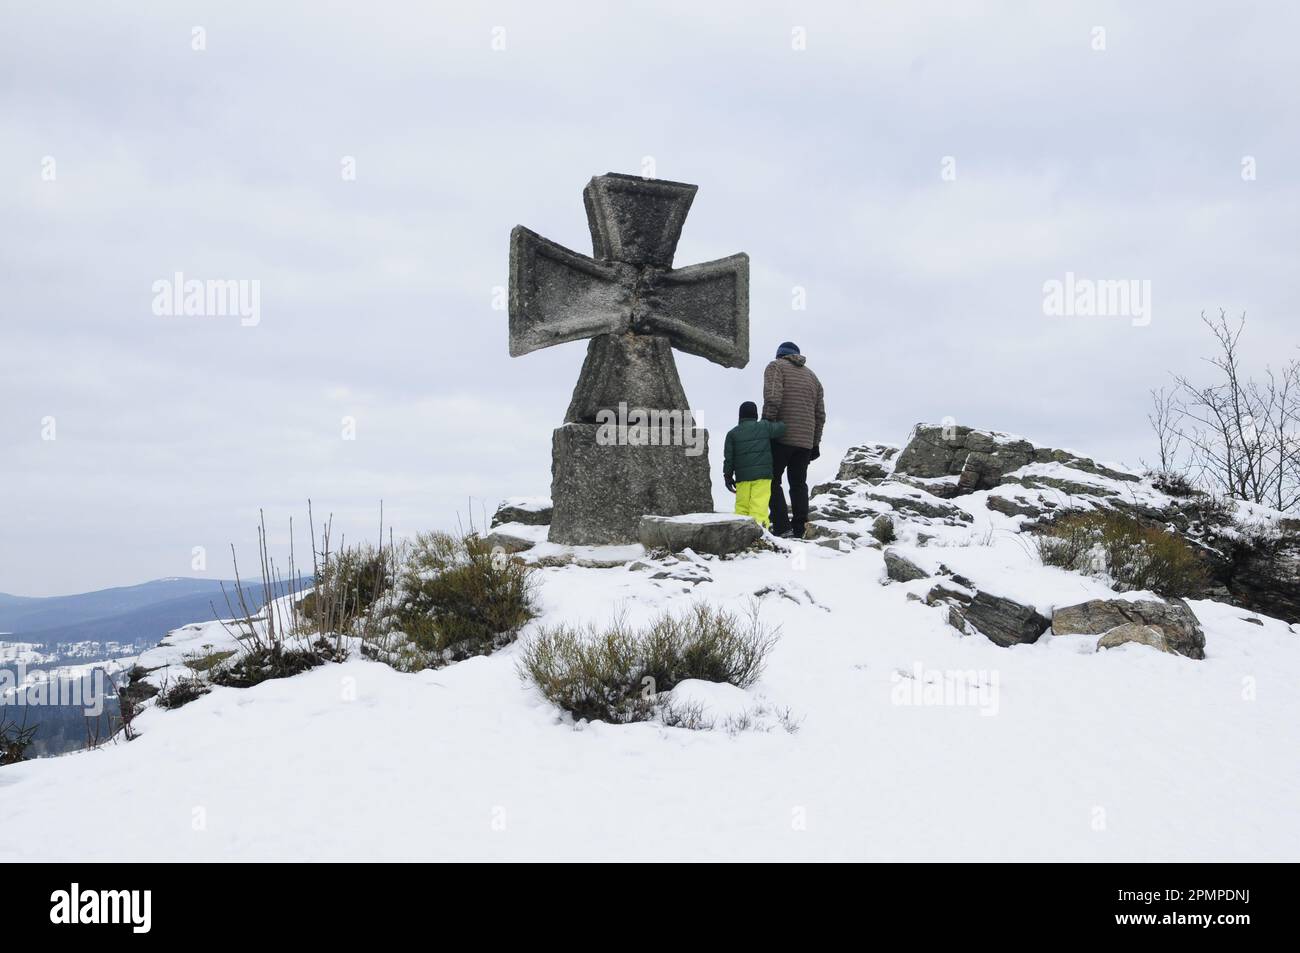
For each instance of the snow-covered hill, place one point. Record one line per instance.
(914, 740)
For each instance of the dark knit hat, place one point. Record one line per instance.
(749, 410)
(787, 347)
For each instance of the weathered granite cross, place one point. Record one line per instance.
(635, 307)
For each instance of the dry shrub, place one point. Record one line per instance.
(454, 598)
(1133, 554)
(280, 660)
(616, 673)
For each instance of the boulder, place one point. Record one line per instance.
(1173, 619)
(531, 511)
(1002, 621)
(505, 540)
(1009, 506)
(882, 528)
(717, 533)
(901, 569)
(1139, 634)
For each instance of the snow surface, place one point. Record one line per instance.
(1047, 751)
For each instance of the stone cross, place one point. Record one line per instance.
(635, 308)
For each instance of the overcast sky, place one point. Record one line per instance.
(128, 155)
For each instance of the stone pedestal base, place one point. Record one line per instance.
(601, 491)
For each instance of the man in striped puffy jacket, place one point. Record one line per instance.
(793, 395)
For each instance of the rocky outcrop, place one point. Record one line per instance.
(980, 459)
(870, 462)
(1172, 624)
(1265, 576)
(923, 491)
(717, 533)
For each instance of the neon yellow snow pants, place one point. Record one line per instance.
(752, 497)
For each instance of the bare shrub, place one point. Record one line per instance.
(1236, 433)
(15, 738)
(1173, 483)
(181, 692)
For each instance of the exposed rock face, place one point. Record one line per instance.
(981, 458)
(1173, 620)
(1267, 579)
(530, 512)
(717, 533)
(601, 491)
(901, 569)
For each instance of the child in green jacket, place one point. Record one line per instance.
(747, 461)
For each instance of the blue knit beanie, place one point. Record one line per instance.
(788, 347)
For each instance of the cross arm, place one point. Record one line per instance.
(558, 295)
(703, 309)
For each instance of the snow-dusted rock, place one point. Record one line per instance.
(901, 569)
(1173, 620)
(529, 510)
(869, 462)
(717, 533)
(515, 537)
(981, 458)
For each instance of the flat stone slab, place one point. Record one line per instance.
(548, 555)
(716, 533)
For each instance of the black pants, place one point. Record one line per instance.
(794, 462)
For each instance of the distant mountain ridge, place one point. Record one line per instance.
(140, 613)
